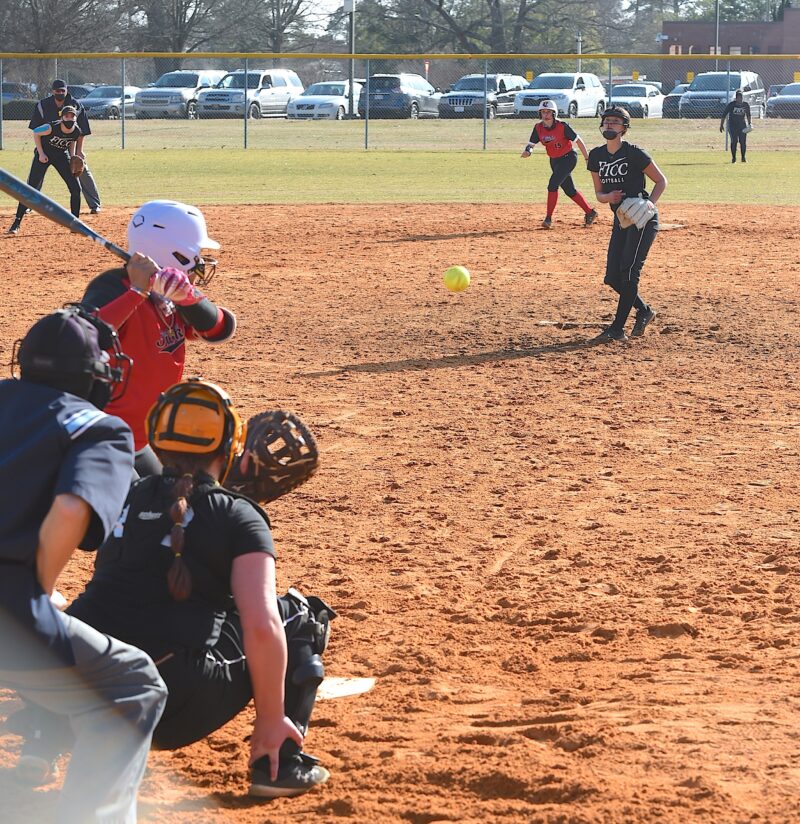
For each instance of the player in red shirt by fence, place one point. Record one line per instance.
(557, 138)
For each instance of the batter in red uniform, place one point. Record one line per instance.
(155, 306)
(558, 138)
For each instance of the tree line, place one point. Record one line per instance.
(381, 26)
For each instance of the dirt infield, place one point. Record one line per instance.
(572, 569)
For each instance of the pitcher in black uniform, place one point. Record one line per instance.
(65, 467)
(619, 170)
(738, 114)
(55, 144)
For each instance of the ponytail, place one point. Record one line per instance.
(179, 578)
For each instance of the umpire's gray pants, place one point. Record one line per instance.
(89, 188)
(114, 698)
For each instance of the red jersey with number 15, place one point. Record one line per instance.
(557, 140)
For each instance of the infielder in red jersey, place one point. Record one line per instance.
(557, 138)
(155, 306)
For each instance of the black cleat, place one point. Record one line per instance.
(610, 334)
(296, 775)
(642, 319)
(590, 217)
(733, 160)
(744, 160)
(547, 223)
(14, 228)
(94, 211)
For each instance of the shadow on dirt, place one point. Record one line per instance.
(454, 236)
(449, 361)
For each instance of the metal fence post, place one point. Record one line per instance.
(485, 99)
(246, 84)
(1, 106)
(122, 108)
(366, 113)
(610, 81)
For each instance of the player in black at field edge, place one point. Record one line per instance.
(738, 114)
(55, 143)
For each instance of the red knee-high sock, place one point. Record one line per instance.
(552, 199)
(581, 201)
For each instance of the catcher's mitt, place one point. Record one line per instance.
(76, 165)
(635, 211)
(279, 455)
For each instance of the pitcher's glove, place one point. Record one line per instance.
(279, 455)
(635, 211)
(76, 165)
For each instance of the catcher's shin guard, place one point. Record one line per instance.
(307, 625)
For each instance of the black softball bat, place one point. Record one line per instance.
(42, 204)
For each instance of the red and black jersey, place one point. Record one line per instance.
(153, 332)
(557, 140)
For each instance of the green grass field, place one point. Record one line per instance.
(422, 161)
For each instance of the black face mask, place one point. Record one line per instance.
(60, 95)
(610, 134)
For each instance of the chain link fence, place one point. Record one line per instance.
(386, 102)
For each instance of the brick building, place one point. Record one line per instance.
(781, 37)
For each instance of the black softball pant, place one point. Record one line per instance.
(740, 138)
(562, 168)
(627, 252)
(60, 162)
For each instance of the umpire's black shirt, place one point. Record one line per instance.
(49, 109)
(51, 443)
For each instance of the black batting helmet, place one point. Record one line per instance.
(76, 352)
(617, 111)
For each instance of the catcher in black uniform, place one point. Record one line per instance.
(188, 574)
(619, 170)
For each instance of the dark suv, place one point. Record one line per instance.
(710, 92)
(399, 95)
(467, 98)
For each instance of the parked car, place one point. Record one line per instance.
(106, 102)
(786, 103)
(467, 97)
(775, 89)
(80, 90)
(399, 95)
(671, 104)
(710, 92)
(268, 93)
(18, 91)
(576, 95)
(328, 100)
(174, 94)
(640, 99)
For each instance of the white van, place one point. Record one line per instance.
(269, 92)
(174, 94)
(576, 94)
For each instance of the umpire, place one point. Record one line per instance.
(48, 110)
(65, 467)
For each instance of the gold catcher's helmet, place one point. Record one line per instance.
(196, 417)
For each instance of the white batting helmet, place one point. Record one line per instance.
(548, 105)
(172, 234)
